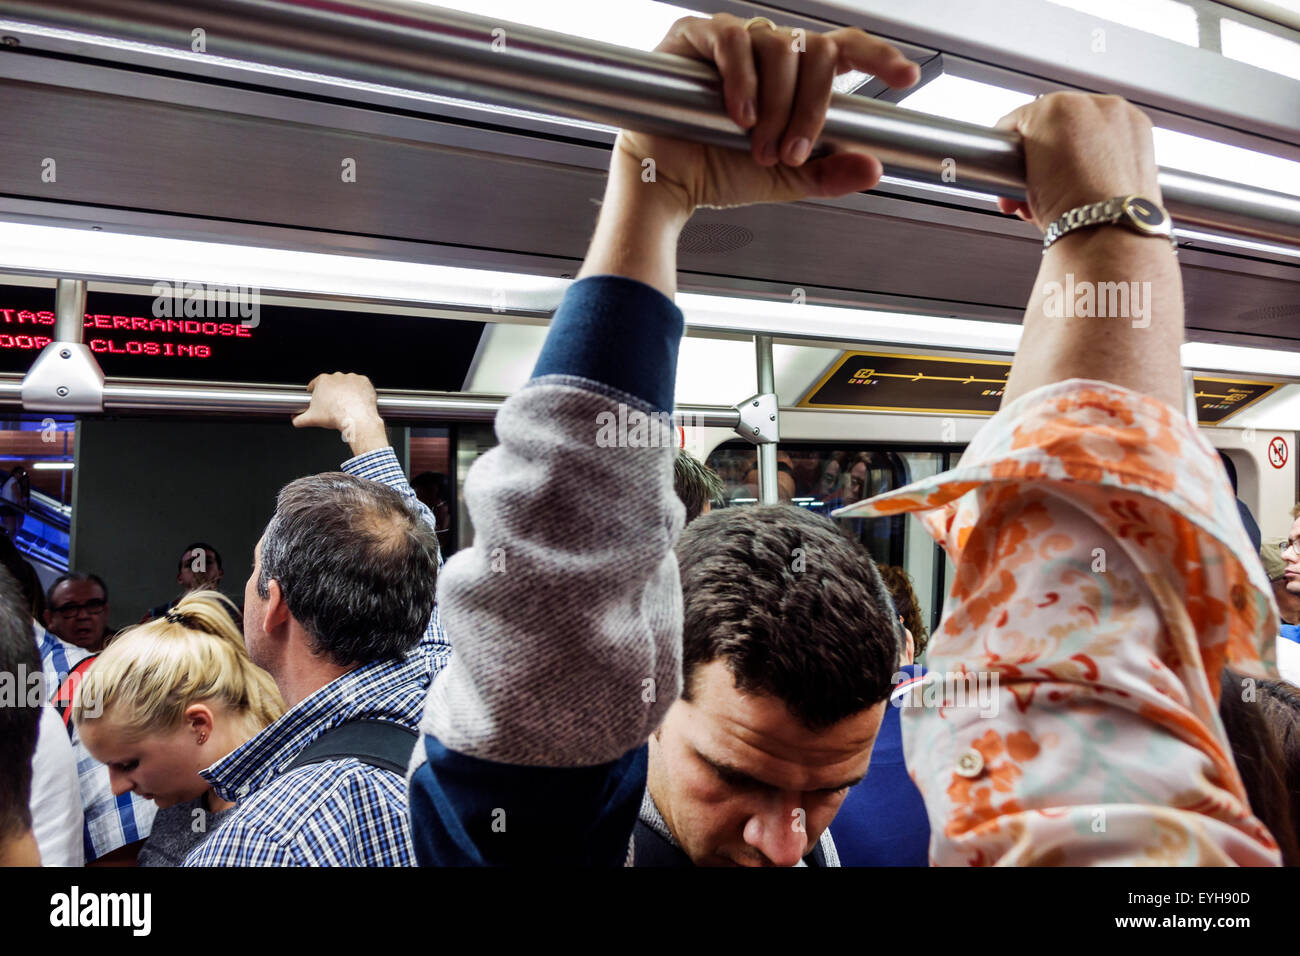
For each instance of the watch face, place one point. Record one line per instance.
(1143, 212)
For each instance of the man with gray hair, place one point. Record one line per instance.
(340, 610)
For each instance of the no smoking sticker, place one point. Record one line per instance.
(1277, 452)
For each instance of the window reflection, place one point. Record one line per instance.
(822, 478)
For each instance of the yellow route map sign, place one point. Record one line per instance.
(1219, 398)
(889, 382)
(877, 381)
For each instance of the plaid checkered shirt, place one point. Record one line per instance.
(111, 821)
(340, 812)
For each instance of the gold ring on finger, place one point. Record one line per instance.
(757, 21)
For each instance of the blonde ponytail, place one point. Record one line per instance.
(149, 674)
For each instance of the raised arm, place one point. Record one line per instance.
(347, 403)
(565, 615)
(1081, 150)
(1102, 576)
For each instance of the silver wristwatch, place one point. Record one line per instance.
(1138, 213)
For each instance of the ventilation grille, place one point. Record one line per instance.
(713, 237)
(1268, 315)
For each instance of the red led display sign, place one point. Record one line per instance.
(279, 345)
(191, 333)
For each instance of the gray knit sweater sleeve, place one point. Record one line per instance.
(565, 615)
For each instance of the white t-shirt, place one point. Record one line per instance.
(11, 491)
(57, 817)
(1288, 660)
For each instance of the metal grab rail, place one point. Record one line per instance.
(281, 401)
(409, 45)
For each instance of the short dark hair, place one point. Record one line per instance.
(1257, 729)
(188, 553)
(899, 583)
(29, 582)
(75, 576)
(19, 722)
(696, 484)
(1230, 467)
(795, 608)
(356, 564)
(1281, 700)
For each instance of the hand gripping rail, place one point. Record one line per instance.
(410, 45)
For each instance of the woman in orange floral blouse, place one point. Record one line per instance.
(1103, 577)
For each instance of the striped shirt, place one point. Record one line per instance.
(111, 822)
(340, 812)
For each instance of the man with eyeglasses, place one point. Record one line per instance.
(77, 610)
(76, 626)
(1291, 553)
(1284, 574)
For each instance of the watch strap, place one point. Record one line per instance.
(1106, 212)
(1081, 217)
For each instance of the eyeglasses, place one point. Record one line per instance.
(95, 606)
(1293, 545)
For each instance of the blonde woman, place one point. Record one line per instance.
(167, 699)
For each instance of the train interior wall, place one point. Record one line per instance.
(1269, 491)
(145, 489)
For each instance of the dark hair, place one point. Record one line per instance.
(1281, 702)
(19, 723)
(435, 481)
(29, 582)
(696, 484)
(1258, 753)
(356, 565)
(795, 609)
(899, 583)
(202, 546)
(33, 593)
(75, 576)
(1231, 468)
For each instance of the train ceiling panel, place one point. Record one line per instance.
(239, 163)
(710, 371)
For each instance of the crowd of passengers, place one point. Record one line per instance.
(616, 674)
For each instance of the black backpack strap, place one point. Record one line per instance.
(379, 743)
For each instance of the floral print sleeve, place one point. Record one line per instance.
(1099, 589)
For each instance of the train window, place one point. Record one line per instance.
(822, 478)
(434, 481)
(471, 440)
(36, 460)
